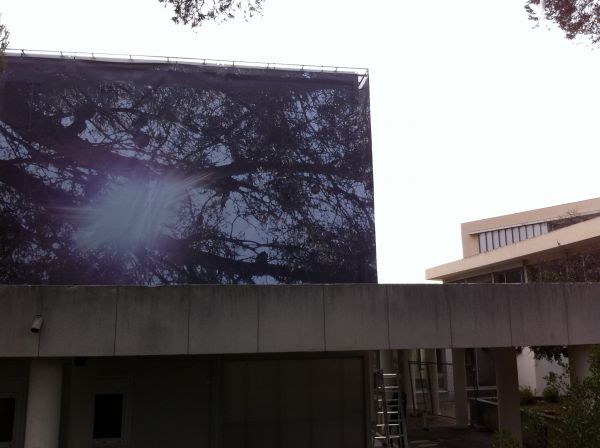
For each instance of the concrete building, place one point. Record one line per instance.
(225, 215)
(556, 243)
(552, 244)
(254, 365)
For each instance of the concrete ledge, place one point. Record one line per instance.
(202, 319)
(18, 307)
(538, 314)
(78, 321)
(223, 320)
(583, 312)
(418, 303)
(479, 315)
(291, 319)
(356, 317)
(152, 321)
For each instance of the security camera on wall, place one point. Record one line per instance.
(37, 323)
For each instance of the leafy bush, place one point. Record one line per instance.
(580, 420)
(503, 439)
(578, 425)
(551, 394)
(526, 394)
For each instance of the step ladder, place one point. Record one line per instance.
(390, 424)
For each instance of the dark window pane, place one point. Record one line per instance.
(514, 276)
(108, 416)
(7, 419)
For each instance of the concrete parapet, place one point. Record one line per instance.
(204, 319)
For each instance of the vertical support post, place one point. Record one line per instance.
(579, 361)
(432, 376)
(386, 361)
(461, 401)
(42, 425)
(81, 404)
(407, 383)
(507, 382)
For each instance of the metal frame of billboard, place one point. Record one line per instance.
(361, 73)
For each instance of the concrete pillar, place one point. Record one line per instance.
(408, 378)
(461, 400)
(386, 361)
(432, 375)
(81, 404)
(507, 382)
(579, 361)
(42, 424)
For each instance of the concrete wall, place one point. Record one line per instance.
(173, 320)
(14, 376)
(262, 401)
(294, 403)
(168, 401)
(532, 372)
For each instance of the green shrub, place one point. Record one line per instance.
(503, 439)
(526, 394)
(551, 394)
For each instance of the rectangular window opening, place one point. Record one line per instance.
(7, 419)
(108, 416)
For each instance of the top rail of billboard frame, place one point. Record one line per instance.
(361, 73)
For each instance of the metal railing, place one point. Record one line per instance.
(122, 57)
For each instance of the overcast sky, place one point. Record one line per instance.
(474, 112)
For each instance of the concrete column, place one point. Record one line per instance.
(386, 361)
(461, 400)
(432, 375)
(507, 382)
(408, 379)
(81, 404)
(42, 423)
(579, 361)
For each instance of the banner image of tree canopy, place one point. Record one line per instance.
(155, 173)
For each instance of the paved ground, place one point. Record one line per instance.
(449, 438)
(441, 435)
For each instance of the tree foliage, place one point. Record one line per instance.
(578, 424)
(574, 17)
(552, 353)
(196, 12)
(4, 35)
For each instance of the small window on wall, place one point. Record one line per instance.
(108, 417)
(112, 412)
(511, 276)
(7, 420)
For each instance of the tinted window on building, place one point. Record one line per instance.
(150, 174)
(108, 416)
(7, 419)
(511, 276)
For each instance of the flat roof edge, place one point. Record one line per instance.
(121, 57)
(544, 214)
(557, 240)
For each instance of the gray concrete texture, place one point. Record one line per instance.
(134, 320)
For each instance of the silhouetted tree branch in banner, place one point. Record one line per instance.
(153, 174)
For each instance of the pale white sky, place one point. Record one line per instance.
(474, 113)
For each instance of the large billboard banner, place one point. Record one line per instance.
(156, 173)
